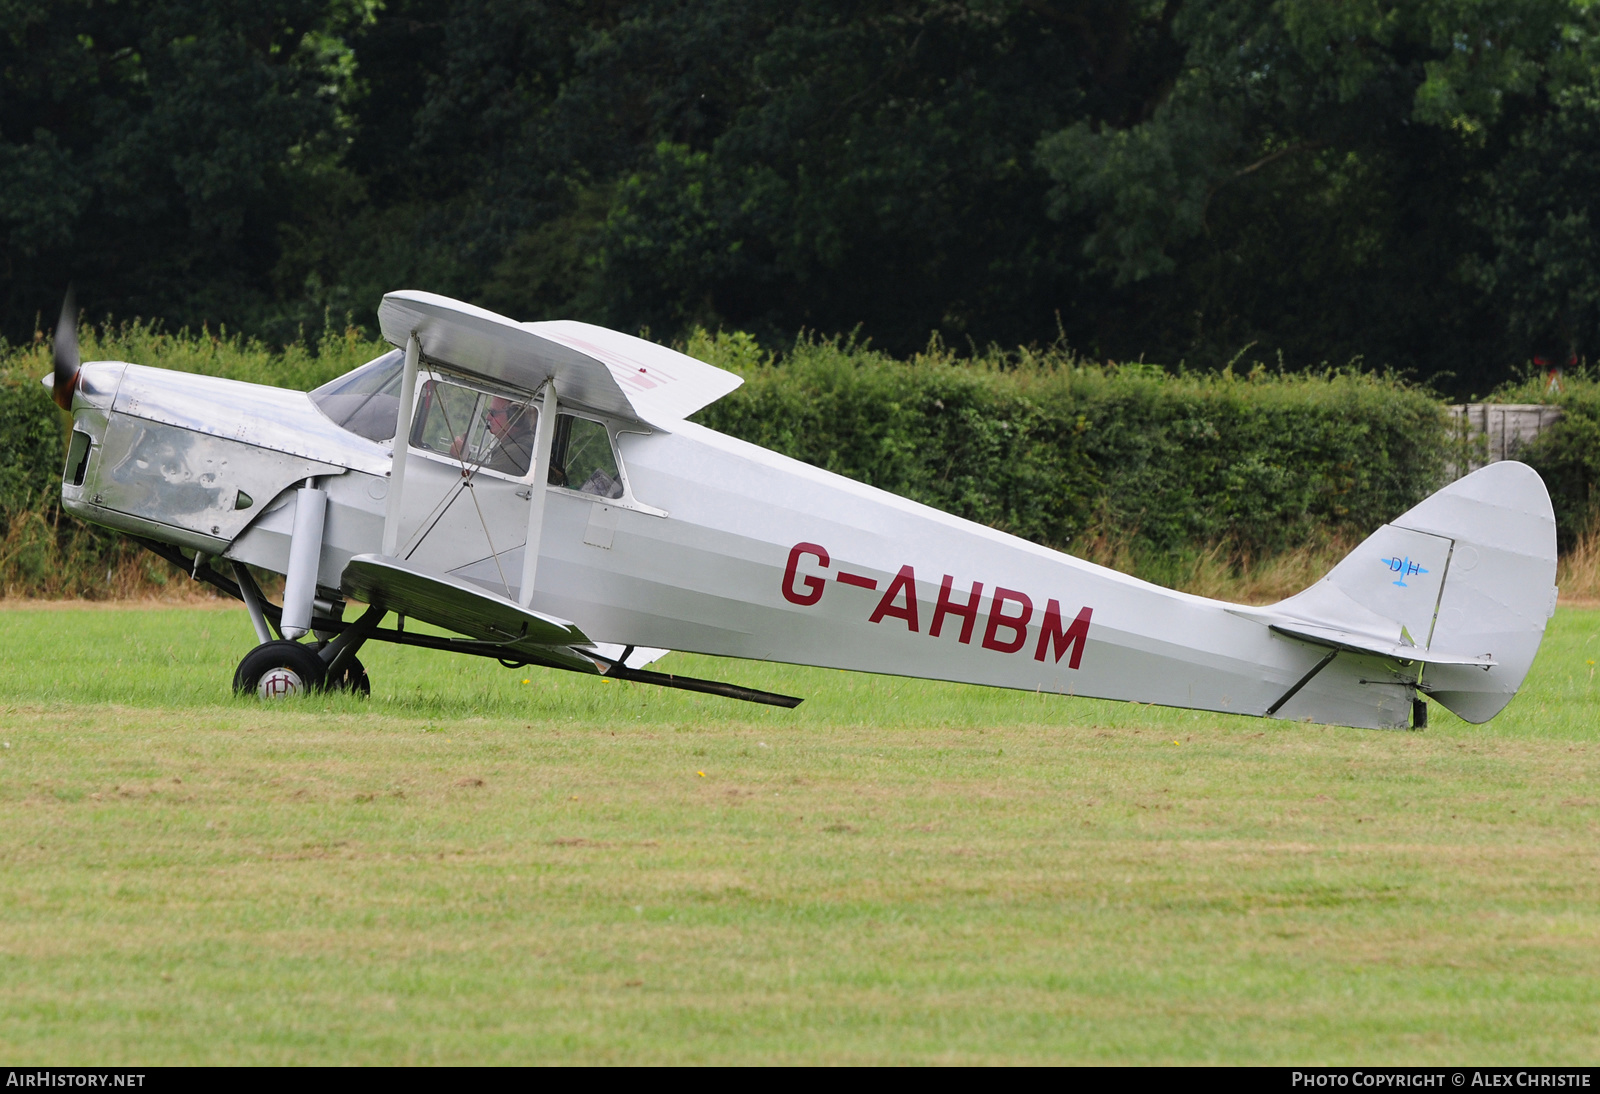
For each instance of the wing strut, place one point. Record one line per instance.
(705, 687)
(402, 444)
(542, 441)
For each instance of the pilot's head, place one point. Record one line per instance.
(502, 416)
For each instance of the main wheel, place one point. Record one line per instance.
(274, 670)
(352, 678)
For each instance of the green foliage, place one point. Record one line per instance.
(155, 149)
(964, 439)
(1262, 461)
(1566, 454)
(1146, 186)
(1410, 183)
(1567, 457)
(30, 441)
(1049, 447)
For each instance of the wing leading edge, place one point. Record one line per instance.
(602, 369)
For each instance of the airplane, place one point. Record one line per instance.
(538, 490)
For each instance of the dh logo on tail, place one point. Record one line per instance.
(1404, 567)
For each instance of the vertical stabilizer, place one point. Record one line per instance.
(1466, 579)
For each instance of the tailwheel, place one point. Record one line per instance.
(276, 670)
(352, 679)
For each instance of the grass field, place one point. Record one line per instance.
(470, 868)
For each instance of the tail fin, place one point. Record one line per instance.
(1461, 585)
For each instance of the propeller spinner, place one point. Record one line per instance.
(65, 378)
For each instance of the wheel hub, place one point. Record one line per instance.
(280, 683)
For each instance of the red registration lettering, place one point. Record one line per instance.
(968, 611)
(1074, 637)
(813, 584)
(904, 582)
(998, 621)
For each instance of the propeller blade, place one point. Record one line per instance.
(66, 352)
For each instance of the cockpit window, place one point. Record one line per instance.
(475, 427)
(366, 401)
(479, 428)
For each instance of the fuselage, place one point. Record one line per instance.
(717, 546)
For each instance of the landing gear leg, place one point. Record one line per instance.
(352, 678)
(344, 671)
(251, 592)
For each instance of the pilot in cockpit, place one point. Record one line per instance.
(512, 428)
(502, 441)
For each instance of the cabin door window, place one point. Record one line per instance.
(480, 430)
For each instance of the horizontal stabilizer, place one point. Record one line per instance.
(1363, 643)
(461, 606)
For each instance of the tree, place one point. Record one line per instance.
(1337, 180)
(153, 149)
(1177, 180)
(762, 165)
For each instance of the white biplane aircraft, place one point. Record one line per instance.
(537, 489)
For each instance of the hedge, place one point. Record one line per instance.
(1049, 447)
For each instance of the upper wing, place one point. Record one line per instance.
(602, 369)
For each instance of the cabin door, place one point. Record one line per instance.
(467, 488)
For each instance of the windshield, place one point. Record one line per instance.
(366, 401)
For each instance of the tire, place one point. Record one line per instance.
(352, 678)
(285, 668)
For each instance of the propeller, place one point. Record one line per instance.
(65, 379)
